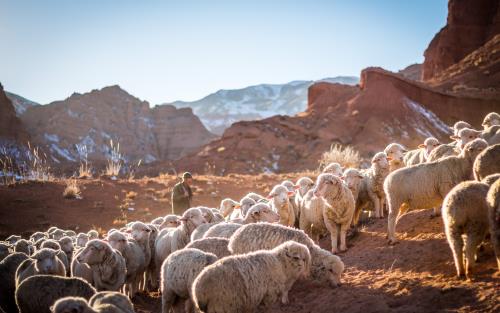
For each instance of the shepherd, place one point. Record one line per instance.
(182, 194)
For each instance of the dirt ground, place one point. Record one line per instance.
(416, 275)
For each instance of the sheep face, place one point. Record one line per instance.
(227, 206)
(46, 261)
(71, 305)
(327, 184)
(381, 160)
(82, 239)
(328, 270)
(245, 204)
(297, 256)
(304, 184)
(207, 214)
(429, 144)
(170, 221)
(117, 240)
(262, 212)
(473, 148)
(280, 195)
(140, 231)
(289, 185)
(51, 244)
(57, 234)
(94, 252)
(465, 136)
(352, 178)
(193, 217)
(37, 236)
(158, 221)
(93, 234)
(333, 168)
(460, 125)
(395, 152)
(491, 119)
(66, 245)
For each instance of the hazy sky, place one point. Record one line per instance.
(162, 51)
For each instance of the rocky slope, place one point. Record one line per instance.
(470, 25)
(224, 107)
(93, 119)
(20, 104)
(12, 130)
(413, 72)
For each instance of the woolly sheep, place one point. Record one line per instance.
(227, 206)
(325, 267)
(338, 210)
(158, 221)
(24, 246)
(222, 230)
(291, 189)
(81, 270)
(268, 275)
(201, 230)
(44, 261)
(280, 203)
(4, 250)
(151, 281)
(209, 215)
(490, 179)
(8, 267)
(140, 232)
(38, 235)
(491, 119)
(82, 239)
(333, 168)
(57, 234)
(171, 240)
(12, 239)
(458, 126)
(256, 197)
(178, 273)
(464, 136)
(67, 247)
(311, 219)
(93, 234)
(245, 204)
(425, 185)
(135, 260)
(465, 213)
(395, 154)
(487, 162)
(170, 220)
(108, 266)
(215, 245)
(421, 155)
(38, 293)
(54, 245)
(112, 302)
(303, 185)
(493, 200)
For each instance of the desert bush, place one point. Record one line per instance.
(345, 156)
(72, 191)
(114, 160)
(39, 168)
(85, 169)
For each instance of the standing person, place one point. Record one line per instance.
(182, 194)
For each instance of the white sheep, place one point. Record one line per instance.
(245, 204)
(82, 239)
(491, 119)
(178, 273)
(493, 200)
(303, 185)
(256, 197)
(395, 153)
(421, 155)
(93, 234)
(333, 168)
(38, 235)
(251, 280)
(170, 220)
(487, 162)
(280, 203)
(292, 195)
(215, 245)
(44, 261)
(201, 230)
(326, 268)
(311, 219)
(158, 221)
(222, 230)
(12, 239)
(108, 266)
(465, 214)
(4, 250)
(464, 136)
(355, 180)
(260, 212)
(227, 206)
(425, 185)
(24, 246)
(101, 302)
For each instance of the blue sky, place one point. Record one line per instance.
(162, 51)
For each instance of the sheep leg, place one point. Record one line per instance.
(393, 218)
(457, 246)
(355, 219)
(471, 243)
(284, 297)
(332, 228)
(382, 203)
(376, 204)
(168, 299)
(343, 232)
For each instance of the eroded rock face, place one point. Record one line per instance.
(93, 119)
(11, 128)
(470, 24)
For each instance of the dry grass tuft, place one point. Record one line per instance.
(72, 191)
(114, 161)
(345, 156)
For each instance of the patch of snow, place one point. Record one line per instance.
(429, 115)
(51, 138)
(62, 152)
(149, 158)
(73, 114)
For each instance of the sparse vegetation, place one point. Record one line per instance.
(72, 191)
(39, 168)
(85, 169)
(114, 160)
(345, 156)
(7, 170)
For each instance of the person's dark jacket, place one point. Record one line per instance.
(181, 198)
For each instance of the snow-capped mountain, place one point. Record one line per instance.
(221, 109)
(20, 104)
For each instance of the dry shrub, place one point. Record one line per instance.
(114, 160)
(345, 156)
(72, 191)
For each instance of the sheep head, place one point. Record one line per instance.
(46, 261)
(262, 212)
(280, 194)
(95, 252)
(327, 184)
(304, 184)
(491, 119)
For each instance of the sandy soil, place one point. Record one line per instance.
(416, 275)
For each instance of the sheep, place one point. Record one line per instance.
(170, 220)
(38, 293)
(4, 250)
(303, 185)
(57, 234)
(326, 268)
(82, 270)
(108, 266)
(352, 178)
(112, 302)
(135, 259)
(493, 201)
(201, 230)
(487, 162)
(38, 235)
(256, 197)
(333, 168)
(311, 219)
(82, 239)
(491, 119)
(395, 153)
(458, 126)
(24, 246)
(421, 155)
(291, 189)
(425, 185)
(338, 209)
(93, 234)
(151, 270)
(464, 136)
(490, 179)
(140, 232)
(227, 207)
(12, 239)
(158, 221)
(251, 280)
(245, 204)
(171, 240)
(178, 273)
(67, 247)
(465, 213)
(222, 230)
(260, 212)
(61, 255)
(280, 203)
(8, 267)
(209, 215)
(44, 261)
(215, 245)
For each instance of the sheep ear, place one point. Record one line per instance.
(421, 145)
(291, 193)
(389, 158)
(269, 197)
(454, 137)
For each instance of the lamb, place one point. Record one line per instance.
(491, 119)
(487, 162)
(67, 247)
(425, 185)
(311, 219)
(24, 246)
(251, 280)
(38, 235)
(140, 233)
(93, 234)
(465, 213)
(395, 154)
(38, 293)
(338, 209)
(171, 240)
(209, 215)
(44, 261)
(291, 189)
(101, 302)
(4, 250)
(54, 245)
(201, 230)
(493, 200)
(245, 204)
(151, 281)
(8, 267)
(326, 268)
(108, 266)
(375, 180)
(222, 230)
(458, 126)
(304, 184)
(227, 206)
(280, 203)
(333, 168)
(421, 155)
(215, 245)
(178, 273)
(135, 260)
(170, 220)
(82, 239)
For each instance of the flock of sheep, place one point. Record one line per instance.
(247, 254)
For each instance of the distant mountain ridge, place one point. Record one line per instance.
(20, 104)
(219, 110)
